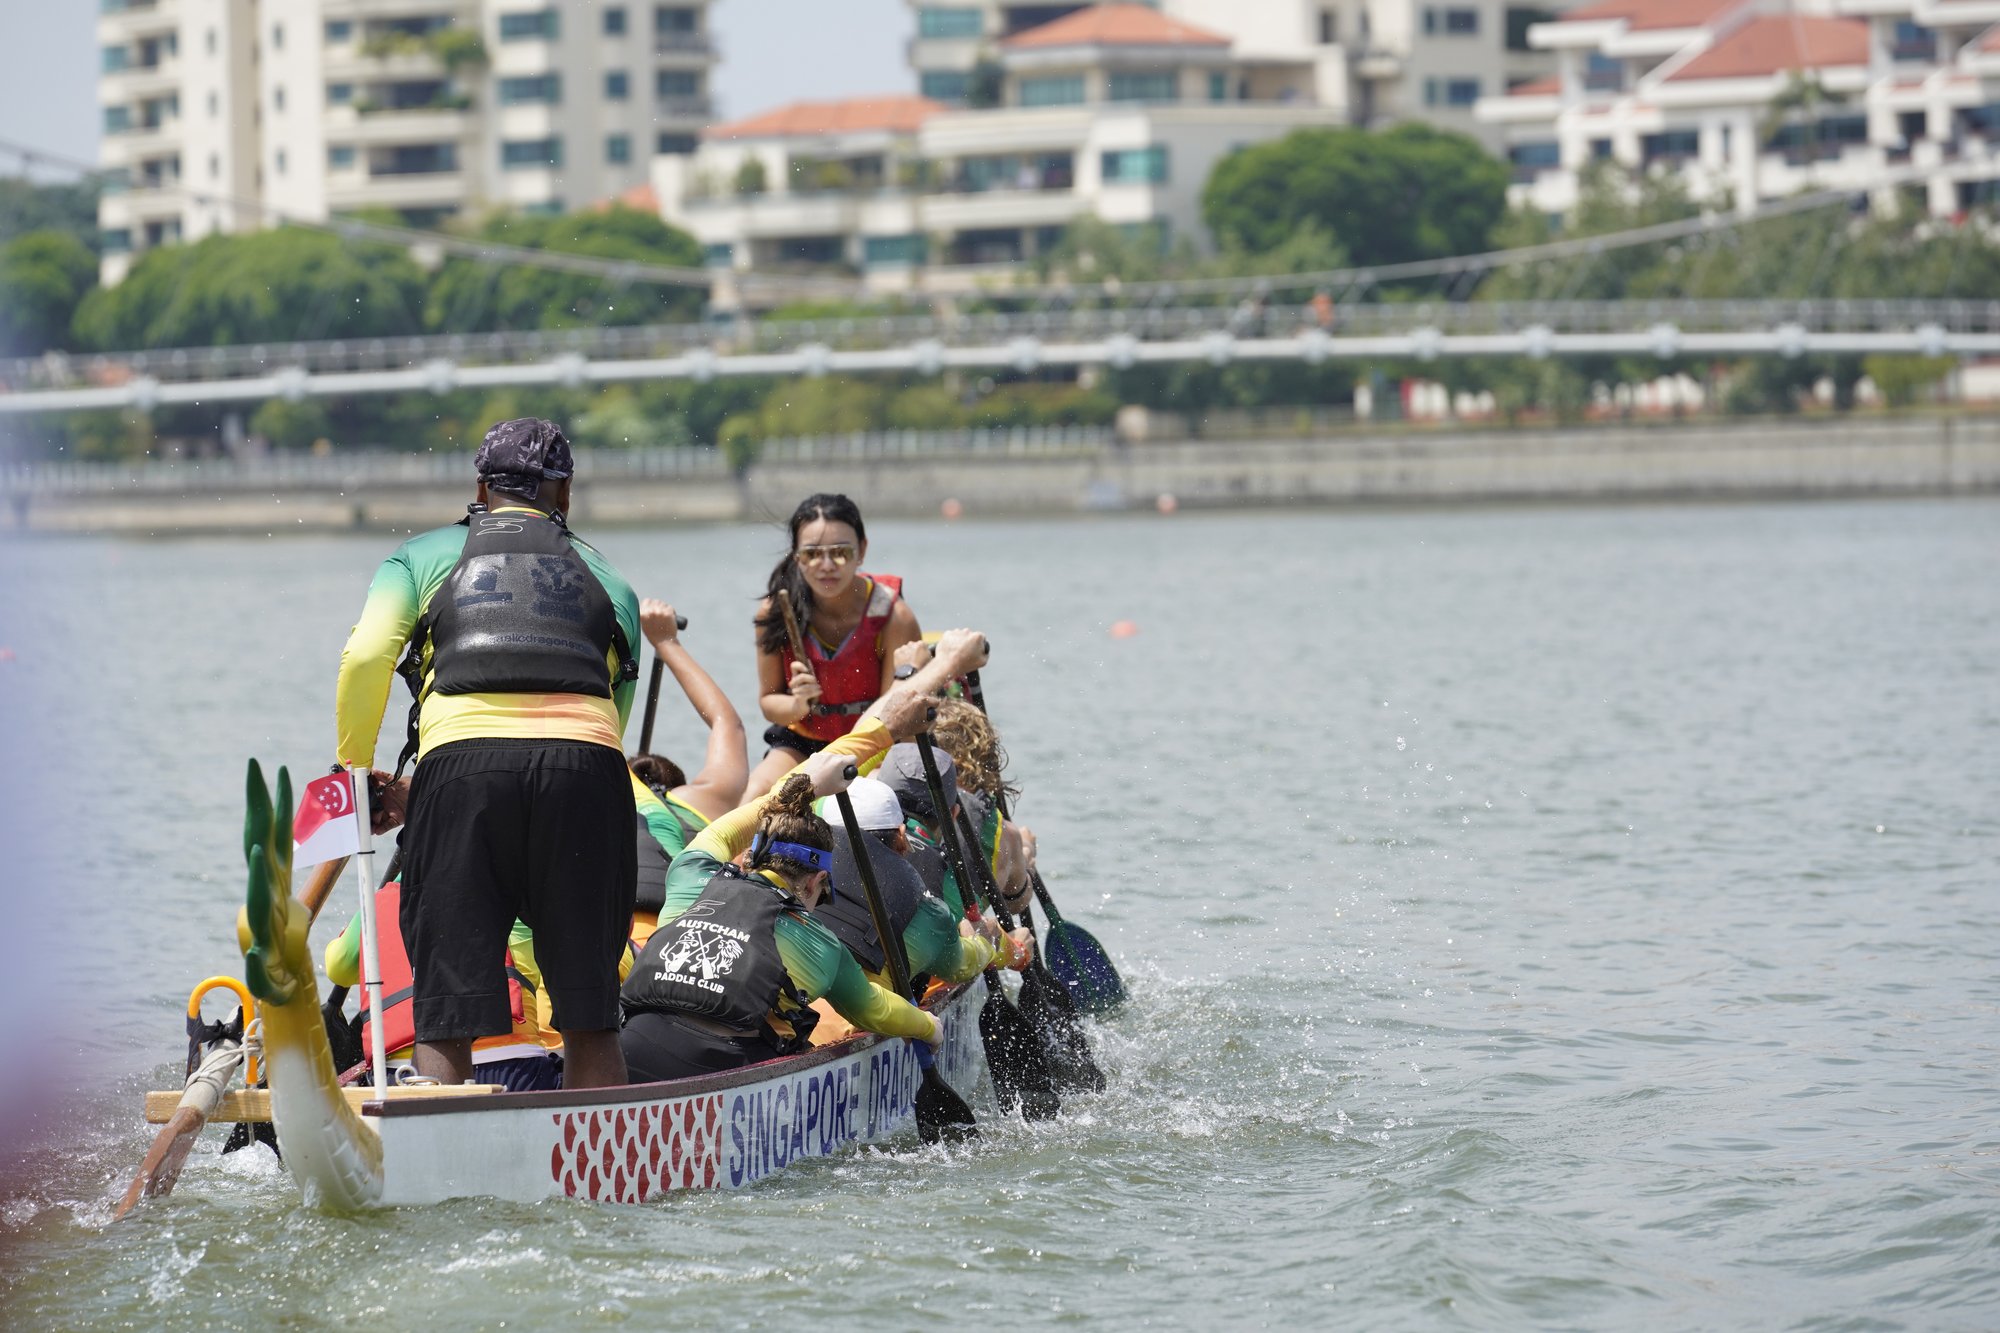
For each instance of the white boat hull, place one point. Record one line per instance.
(628, 1145)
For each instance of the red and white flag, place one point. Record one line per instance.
(324, 827)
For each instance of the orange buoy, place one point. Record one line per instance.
(951, 509)
(1124, 629)
(1166, 504)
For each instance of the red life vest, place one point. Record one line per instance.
(399, 1010)
(850, 678)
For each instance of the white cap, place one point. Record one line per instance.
(875, 805)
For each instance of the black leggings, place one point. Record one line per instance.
(658, 1046)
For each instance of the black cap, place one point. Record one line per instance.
(517, 456)
(903, 770)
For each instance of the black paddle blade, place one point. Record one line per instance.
(941, 1113)
(1084, 969)
(1074, 1067)
(1017, 1058)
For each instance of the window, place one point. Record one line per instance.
(1519, 20)
(674, 143)
(1218, 87)
(1136, 166)
(214, 166)
(720, 254)
(340, 157)
(211, 41)
(277, 36)
(115, 240)
(1541, 153)
(1600, 150)
(949, 21)
(339, 94)
(214, 105)
(546, 208)
(943, 85)
(1603, 74)
(1670, 146)
(1329, 26)
(278, 160)
(1461, 22)
(1461, 92)
(339, 31)
(516, 154)
(673, 19)
(893, 251)
(617, 85)
(116, 58)
(422, 159)
(117, 119)
(1052, 90)
(677, 83)
(278, 98)
(522, 89)
(528, 26)
(1151, 86)
(114, 180)
(1912, 41)
(618, 148)
(614, 21)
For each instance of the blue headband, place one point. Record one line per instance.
(811, 856)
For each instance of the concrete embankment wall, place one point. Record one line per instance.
(1804, 459)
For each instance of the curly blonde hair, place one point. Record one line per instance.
(974, 746)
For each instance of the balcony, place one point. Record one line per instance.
(442, 189)
(685, 44)
(405, 126)
(685, 108)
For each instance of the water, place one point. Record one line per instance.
(1535, 918)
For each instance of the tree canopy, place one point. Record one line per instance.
(27, 206)
(267, 286)
(469, 296)
(1383, 196)
(43, 274)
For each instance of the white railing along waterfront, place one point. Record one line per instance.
(365, 470)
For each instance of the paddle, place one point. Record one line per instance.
(1074, 955)
(1065, 1047)
(162, 1165)
(653, 694)
(941, 1113)
(1017, 1057)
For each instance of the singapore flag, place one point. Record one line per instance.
(324, 826)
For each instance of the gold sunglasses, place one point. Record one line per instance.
(839, 554)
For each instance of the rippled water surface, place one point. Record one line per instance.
(1535, 918)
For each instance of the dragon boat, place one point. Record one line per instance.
(355, 1148)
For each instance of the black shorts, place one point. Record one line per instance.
(499, 829)
(659, 1046)
(784, 738)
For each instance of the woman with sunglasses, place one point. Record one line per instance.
(852, 625)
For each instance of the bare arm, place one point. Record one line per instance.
(725, 766)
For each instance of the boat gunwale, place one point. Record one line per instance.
(664, 1090)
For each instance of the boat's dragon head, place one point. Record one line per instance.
(272, 926)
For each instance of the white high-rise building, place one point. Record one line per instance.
(228, 114)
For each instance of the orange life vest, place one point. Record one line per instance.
(399, 1010)
(850, 678)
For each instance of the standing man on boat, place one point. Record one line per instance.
(519, 640)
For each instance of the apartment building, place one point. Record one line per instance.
(227, 114)
(1113, 111)
(1747, 101)
(1369, 62)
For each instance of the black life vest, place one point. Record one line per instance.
(719, 959)
(848, 917)
(519, 613)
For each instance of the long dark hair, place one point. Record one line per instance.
(787, 582)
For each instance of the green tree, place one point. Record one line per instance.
(1410, 192)
(27, 206)
(43, 275)
(292, 425)
(751, 177)
(267, 286)
(470, 296)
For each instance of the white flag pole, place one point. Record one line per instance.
(371, 955)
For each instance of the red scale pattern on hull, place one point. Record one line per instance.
(628, 1154)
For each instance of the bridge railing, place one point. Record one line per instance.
(1052, 324)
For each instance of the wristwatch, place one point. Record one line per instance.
(905, 671)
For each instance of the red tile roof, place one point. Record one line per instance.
(904, 113)
(1537, 87)
(1650, 15)
(1768, 45)
(1114, 25)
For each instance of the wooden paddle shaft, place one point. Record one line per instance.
(892, 943)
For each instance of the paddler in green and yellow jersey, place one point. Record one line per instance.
(519, 640)
(671, 807)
